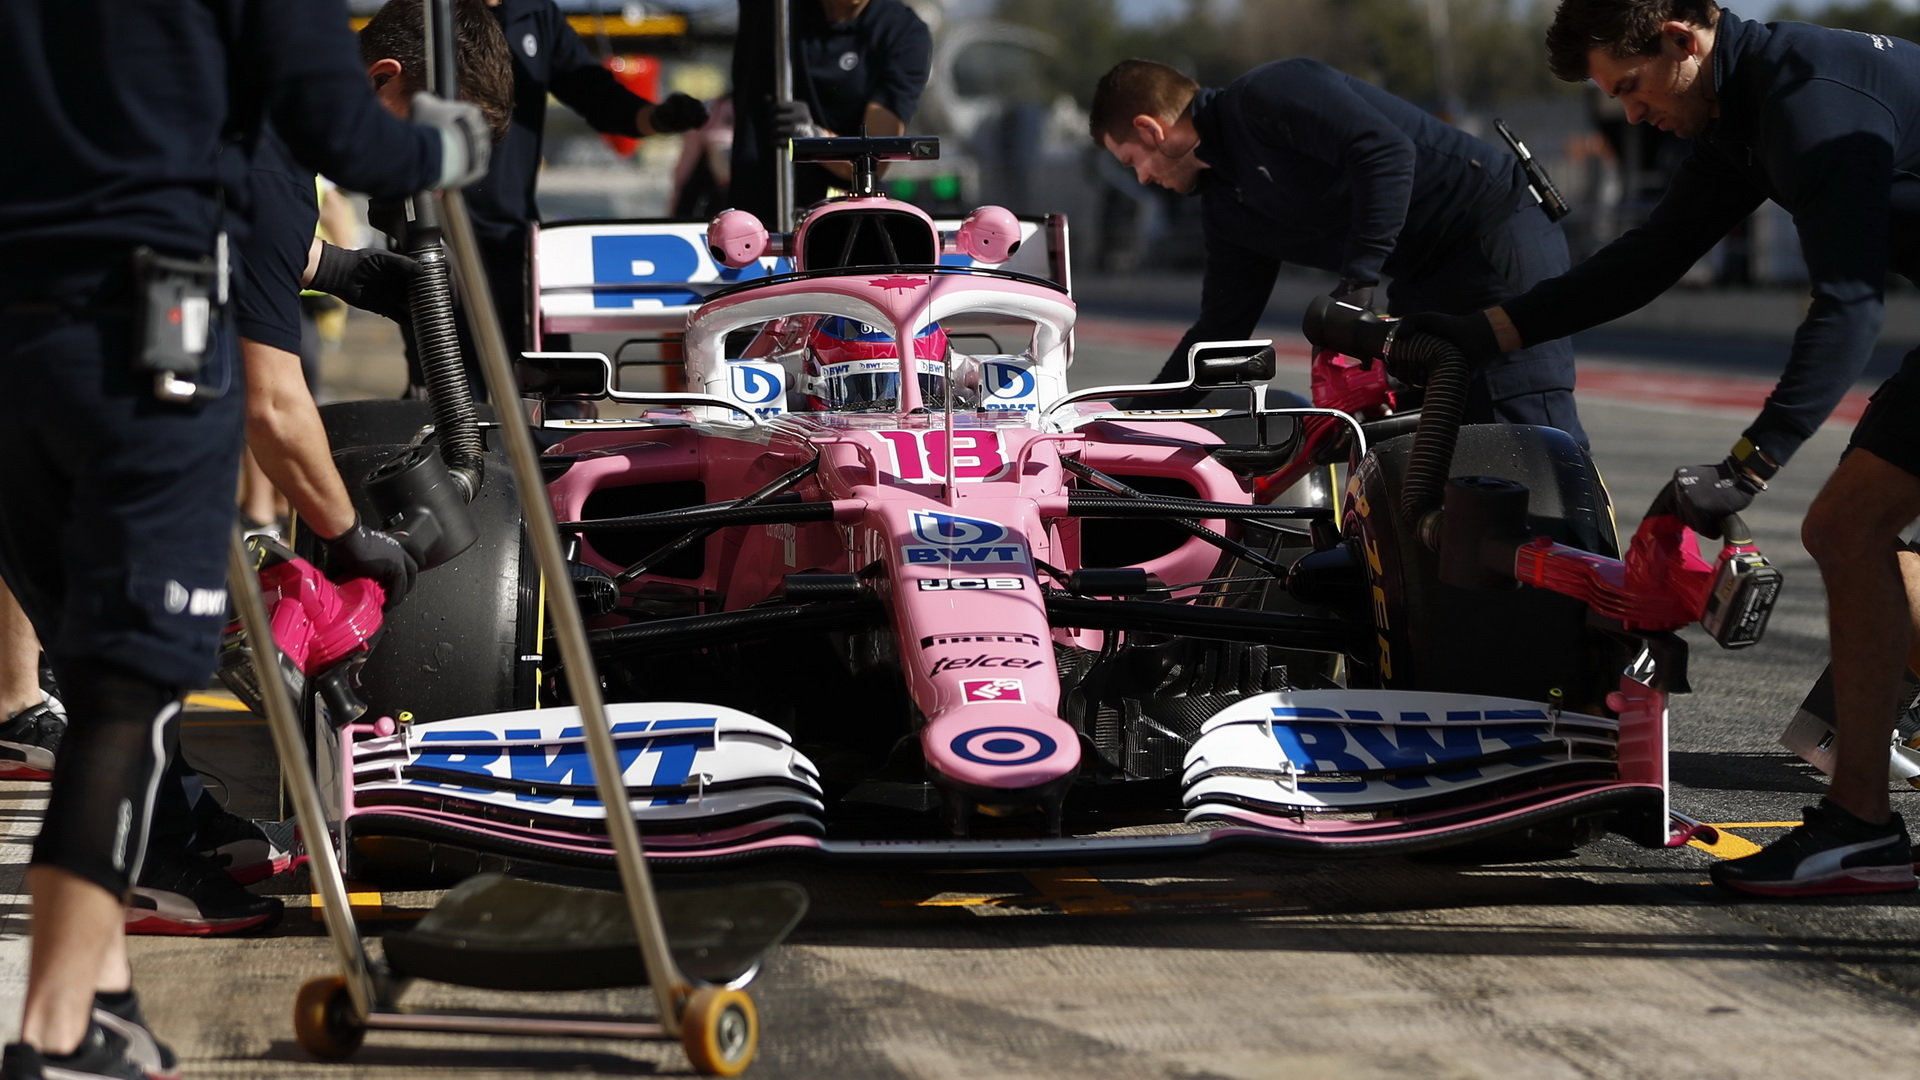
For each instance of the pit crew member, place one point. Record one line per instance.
(123, 427)
(547, 58)
(1297, 162)
(1821, 122)
(858, 65)
(187, 881)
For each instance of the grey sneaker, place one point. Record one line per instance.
(29, 740)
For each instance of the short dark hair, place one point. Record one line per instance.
(1622, 27)
(1137, 88)
(398, 32)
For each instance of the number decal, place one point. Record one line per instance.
(922, 455)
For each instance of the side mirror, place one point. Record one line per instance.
(736, 238)
(1231, 363)
(578, 376)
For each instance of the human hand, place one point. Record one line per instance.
(794, 120)
(465, 143)
(1471, 334)
(1702, 496)
(1355, 292)
(374, 279)
(361, 552)
(679, 112)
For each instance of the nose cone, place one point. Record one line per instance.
(1007, 746)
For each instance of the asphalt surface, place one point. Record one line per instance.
(1616, 962)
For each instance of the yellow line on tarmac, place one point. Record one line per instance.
(226, 702)
(1079, 892)
(356, 900)
(1730, 846)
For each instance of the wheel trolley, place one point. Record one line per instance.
(696, 949)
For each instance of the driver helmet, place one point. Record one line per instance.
(855, 365)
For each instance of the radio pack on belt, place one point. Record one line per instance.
(176, 304)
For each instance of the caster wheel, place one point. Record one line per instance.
(323, 1020)
(719, 1031)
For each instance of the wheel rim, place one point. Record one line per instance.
(732, 1033)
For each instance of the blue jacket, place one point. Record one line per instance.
(548, 58)
(1827, 124)
(1310, 165)
(133, 124)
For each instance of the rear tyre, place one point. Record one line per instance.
(1523, 643)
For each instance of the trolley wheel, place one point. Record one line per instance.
(323, 1020)
(719, 1031)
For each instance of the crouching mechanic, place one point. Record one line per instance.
(1819, 121)
(1295, 161)
(199, 855)
(122, 430)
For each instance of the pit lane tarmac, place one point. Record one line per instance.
(1616, 962)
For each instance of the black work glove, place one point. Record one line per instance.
(794, 120)
(678, 113)
(1701, 496)
(361, 552)
(371, 278)
(1357, 293)
(1472, 334)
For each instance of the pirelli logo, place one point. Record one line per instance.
(980, 639)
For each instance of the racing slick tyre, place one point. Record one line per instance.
(720, 1031)
(1524, 643)
(384, 422)
(466, 639)
(323, 1020)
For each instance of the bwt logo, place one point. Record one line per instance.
(673, 745)
(1006, 380)
(753, 385)
(933, 527)
(950, 538)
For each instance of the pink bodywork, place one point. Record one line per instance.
(959, 575)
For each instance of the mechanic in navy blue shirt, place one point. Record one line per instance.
(1827, 124)
(1297, 162)
(856, 63)
(117, 500)
(548, 58)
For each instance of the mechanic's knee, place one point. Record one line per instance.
(122, 728)
(1836, 538)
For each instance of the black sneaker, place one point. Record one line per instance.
(102, 1056)
(120, 1014)
(29, 739)
(188, 894)
(248, 851)
(1831, 853)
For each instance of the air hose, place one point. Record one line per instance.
(1357, 332)
(436, 335)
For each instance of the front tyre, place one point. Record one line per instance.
(1523, 643)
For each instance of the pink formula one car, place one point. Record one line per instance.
(876, 582)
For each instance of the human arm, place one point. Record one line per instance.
(300, 58)
(1234, 291)
(1835, 177)
(288, 439)
(584, 85)
(1704, 201)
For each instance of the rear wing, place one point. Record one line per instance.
(647, 277)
